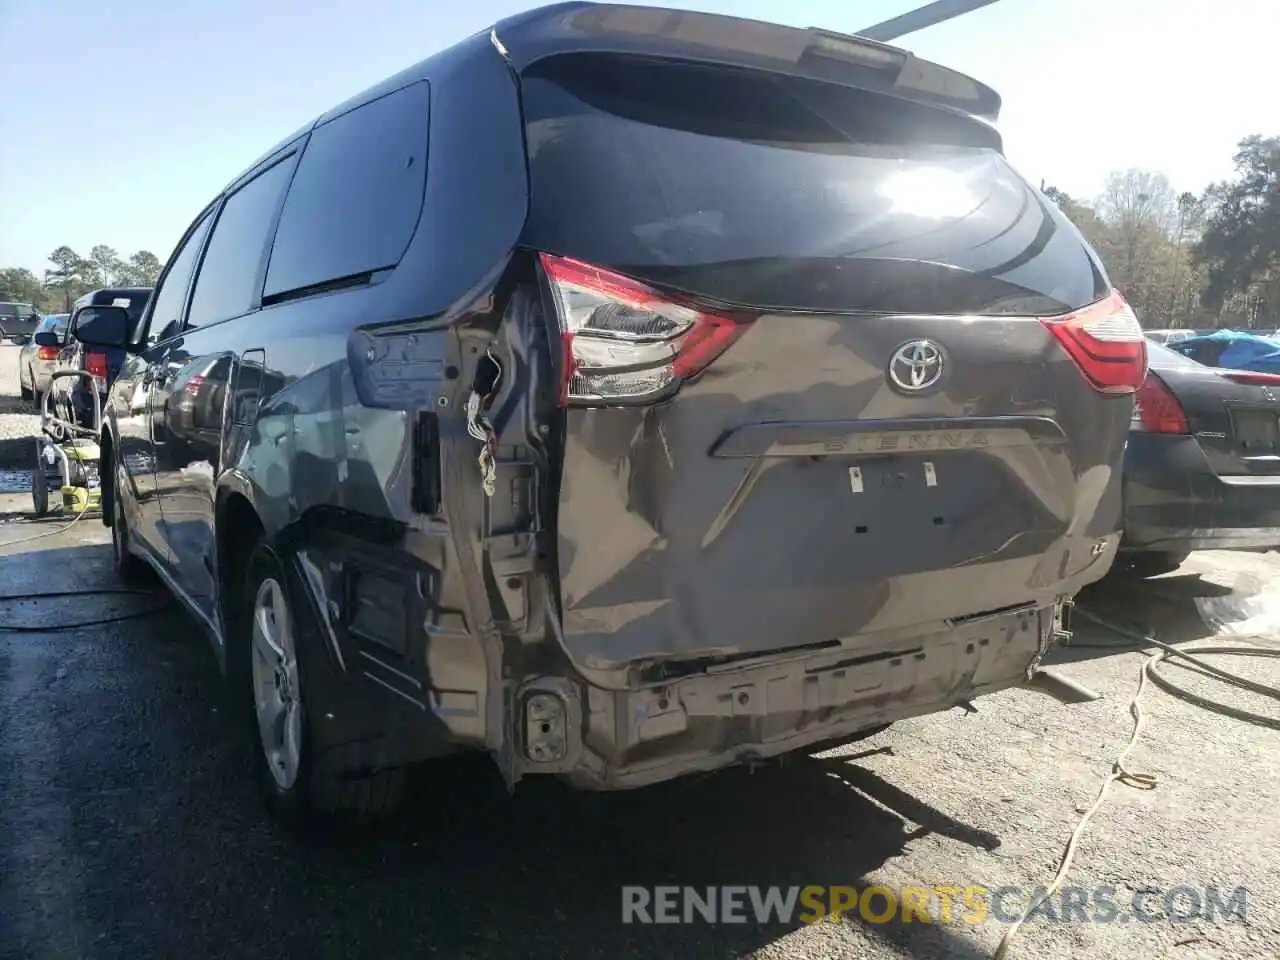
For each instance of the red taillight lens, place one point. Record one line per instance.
(1251, 379)
(623, 341)
(194, 383)
(96, 364)
(1157, 410)
(47, 353)
(1106, 342)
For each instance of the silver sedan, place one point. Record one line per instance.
(35, 364)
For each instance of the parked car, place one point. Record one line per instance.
(103, 363)
(18, 321)
(622, 398)
(36, 363)
(1202, 467)
(1234, 349)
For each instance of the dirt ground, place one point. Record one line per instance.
(128, 828)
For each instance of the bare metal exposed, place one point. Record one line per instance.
(532, 403)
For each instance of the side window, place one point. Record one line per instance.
(169, 296)
(357, 195)
(229, 273)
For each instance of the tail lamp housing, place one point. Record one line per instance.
(1106, 342)
(47, 353)
(624, 342)
(1157, 410)
(95, 363)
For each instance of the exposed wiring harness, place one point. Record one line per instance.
(1146, 781)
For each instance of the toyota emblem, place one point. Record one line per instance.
(916, 366)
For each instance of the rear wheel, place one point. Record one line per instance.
(128, 567)
(300, 775)
(27, 387)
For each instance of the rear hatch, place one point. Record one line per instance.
(809, 389)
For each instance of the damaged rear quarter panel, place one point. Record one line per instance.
(340, 383)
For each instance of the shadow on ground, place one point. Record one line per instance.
(129, 827)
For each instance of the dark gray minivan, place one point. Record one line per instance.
(623, 392)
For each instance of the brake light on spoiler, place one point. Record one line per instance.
(1106, 342)
(623, 341)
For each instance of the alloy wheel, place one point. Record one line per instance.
(277, 697)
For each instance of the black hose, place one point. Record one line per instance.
(1139, 639)
(101, 621)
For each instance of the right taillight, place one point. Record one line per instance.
(1106, 342)
(623, 341)
(1157, 410)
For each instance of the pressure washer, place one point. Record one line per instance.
(67, 454)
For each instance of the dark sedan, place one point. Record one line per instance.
(1202, 467)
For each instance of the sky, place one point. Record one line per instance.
(120, 121)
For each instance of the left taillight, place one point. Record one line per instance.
(622, 341)
(1157, 409)
(47, 353)
(1106, 342)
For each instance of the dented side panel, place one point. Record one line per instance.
(340, 419)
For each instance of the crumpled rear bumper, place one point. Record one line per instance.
(620, 739)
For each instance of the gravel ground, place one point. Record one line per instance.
(128, 827)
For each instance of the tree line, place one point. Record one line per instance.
(71, 275)
(1206, 260)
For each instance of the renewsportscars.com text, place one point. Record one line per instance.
(941, 904)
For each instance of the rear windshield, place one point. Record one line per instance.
(55, 321)
(1161, 357)
(776, 192)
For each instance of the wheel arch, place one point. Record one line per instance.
(106, 475)
(238, 528)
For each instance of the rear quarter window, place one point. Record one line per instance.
(356, 196)
(227, 279)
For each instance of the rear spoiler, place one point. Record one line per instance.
(580, 27)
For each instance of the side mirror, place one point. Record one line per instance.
(102, 326)
(46, 338)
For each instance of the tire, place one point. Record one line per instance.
(1140, 566)
(28, 392)
(129, 568)
(303, 780)
(39, 487)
